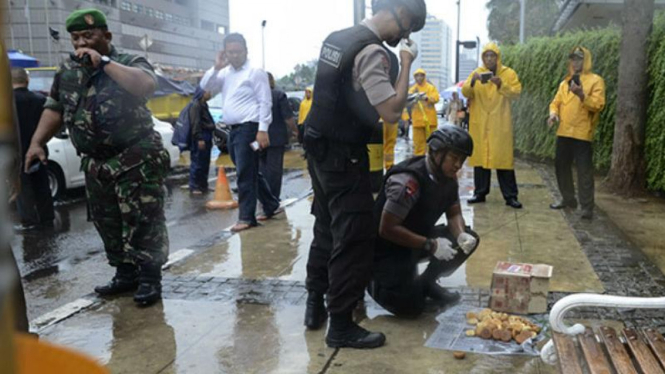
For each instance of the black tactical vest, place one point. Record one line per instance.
(340, 113)
(435, 200)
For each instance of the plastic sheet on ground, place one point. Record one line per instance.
(450, 335)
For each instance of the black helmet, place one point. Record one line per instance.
(417, 8)
(451, 137)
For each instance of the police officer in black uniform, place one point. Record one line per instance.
(357, 81)
(415, 194)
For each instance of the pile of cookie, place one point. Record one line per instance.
(501, 326)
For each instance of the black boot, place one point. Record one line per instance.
(315, 312)
(150, 285)
(125, 280)
(441, 295)
(343, 332)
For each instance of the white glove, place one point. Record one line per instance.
(467, 242)
(408, 45)
(444, 249)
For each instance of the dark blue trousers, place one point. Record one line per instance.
(199, 168)
(251, 184)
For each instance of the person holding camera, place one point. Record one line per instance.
(100, 94)
(423, 113)
(576, 107)
(490, 90)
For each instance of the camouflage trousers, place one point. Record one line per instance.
(127, 207)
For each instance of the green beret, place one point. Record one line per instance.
(85, 19)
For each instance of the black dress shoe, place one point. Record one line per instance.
(587, 214)
(476, 199)
(354, 336)
(315, 311)
(562, 205)
(125, 280)
(513, 203)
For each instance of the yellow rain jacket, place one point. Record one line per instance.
(578, 119)
(428, 111)
(305, 106)
(490, 121)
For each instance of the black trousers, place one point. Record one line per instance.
(34, 203)
(271, 165)
(482, 179)
(581, 152)
(340, 257)
(396, 284)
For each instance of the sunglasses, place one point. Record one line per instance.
(403, 30)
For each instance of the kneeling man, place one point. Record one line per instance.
(415, 194)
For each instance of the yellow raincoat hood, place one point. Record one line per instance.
(305, 106)
(588, 62)
(494, 48)
(419, 71)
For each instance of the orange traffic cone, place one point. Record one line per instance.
(223, 198)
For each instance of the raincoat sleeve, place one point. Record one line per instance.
(433, 96)
(467, 90)
(555, 105)
(510, 86)
(595, 101)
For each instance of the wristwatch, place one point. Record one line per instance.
(105, 61)
(429, 246)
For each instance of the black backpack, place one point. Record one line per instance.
(182, 130)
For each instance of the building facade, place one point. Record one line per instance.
(468, 62)
(435, 52)
(183, 34)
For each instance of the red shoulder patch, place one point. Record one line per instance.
(412, 187)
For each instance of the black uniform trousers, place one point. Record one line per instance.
(482, 179)
(340, 257)
(580, 151)
(396, 284)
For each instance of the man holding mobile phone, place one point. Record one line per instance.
(102, 101)
(577, 106)
(491, 88)
(358, 81)
(247, 108)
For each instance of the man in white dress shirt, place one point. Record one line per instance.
(247, 108)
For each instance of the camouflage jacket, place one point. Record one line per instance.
(103, 119)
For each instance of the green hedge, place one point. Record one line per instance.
(542, 64)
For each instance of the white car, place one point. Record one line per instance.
(64, 165)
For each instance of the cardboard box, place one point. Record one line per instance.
(520, 288)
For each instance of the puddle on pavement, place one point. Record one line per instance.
(194, 337)
(277, 249)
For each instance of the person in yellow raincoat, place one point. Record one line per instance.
(490, 89)
(423, 113)
(577, 106)
(390, 131)
(305, 106)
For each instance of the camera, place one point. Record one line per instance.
(485, 77)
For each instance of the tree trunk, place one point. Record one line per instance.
(628, 172)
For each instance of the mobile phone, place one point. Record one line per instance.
(34, 166)
(576, 79)
(255, 145)
(486, 76)
(85, 60)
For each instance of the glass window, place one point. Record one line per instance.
(168, 17)
(207, 25)
(159, 14)
(150, 12)
(140, 8)
(126, 5)
(221, 29)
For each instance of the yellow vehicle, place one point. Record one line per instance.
(165, 105)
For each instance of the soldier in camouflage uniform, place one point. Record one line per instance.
(101, 95)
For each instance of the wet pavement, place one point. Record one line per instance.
(235, 303)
